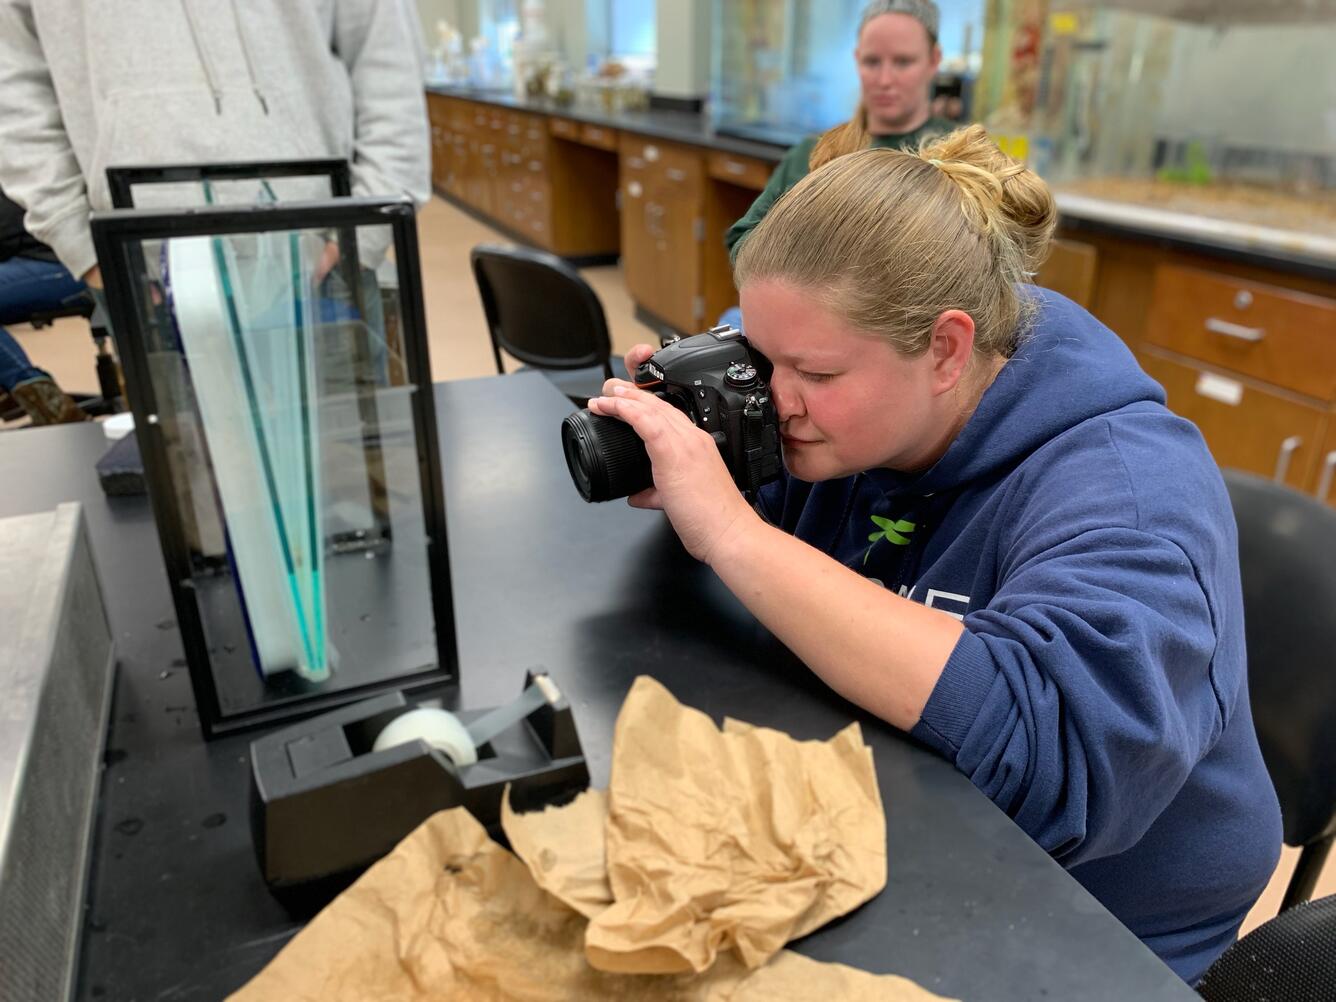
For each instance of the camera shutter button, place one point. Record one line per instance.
(741, 375)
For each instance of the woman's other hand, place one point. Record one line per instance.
(637, 357)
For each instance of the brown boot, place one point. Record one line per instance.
(47, 403)
(9, 407)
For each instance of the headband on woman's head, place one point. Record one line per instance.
(923, 11)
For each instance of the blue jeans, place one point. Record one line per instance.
(28, 286)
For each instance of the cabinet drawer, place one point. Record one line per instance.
(742, 171)
(1246, 426)
(564, 128)
(597, 135)
(672, 162)
(1276, 335)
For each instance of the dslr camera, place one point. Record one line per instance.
(719, 381)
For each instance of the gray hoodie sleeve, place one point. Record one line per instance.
(380, 43)
(38, 168)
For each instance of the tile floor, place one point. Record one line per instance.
(460, 348)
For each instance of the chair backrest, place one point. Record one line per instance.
(540, 310)
(1287, 559)
(1291, 957)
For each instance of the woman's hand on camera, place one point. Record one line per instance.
(691, 482)
(635, 358)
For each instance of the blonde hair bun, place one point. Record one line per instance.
(889, 240)
(1003, 197)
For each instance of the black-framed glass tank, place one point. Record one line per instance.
(282, 397)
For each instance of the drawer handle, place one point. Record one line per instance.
(1219, 389)
(594, 134)
(1217, 326)
(733, 167)
(676, 174)
(1287, 450)
(1328, 473)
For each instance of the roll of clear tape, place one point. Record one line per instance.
(443, 730)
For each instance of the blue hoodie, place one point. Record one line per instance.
(1099, 693)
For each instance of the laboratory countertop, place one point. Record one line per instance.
(1308, 253)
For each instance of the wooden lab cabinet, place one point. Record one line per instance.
(1248, 425)
(1326, 466)
(590, 191)
(582, 168)
(506, 165)
(734, 183)
(663, 227)
(1246, 353)
(677, 204)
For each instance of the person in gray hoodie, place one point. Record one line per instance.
(86, 85)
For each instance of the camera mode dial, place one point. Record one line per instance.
(741, 375)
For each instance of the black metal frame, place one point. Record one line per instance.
(118, 231)
(122, 179)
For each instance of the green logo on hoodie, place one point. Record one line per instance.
(894, 531)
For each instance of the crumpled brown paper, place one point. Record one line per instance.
(450, 915)
(565, 849)
(736, 840)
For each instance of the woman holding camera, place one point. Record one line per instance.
(991, 532)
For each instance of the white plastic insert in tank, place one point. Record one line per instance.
(246, 330)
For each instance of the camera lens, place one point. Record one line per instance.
(606, 458)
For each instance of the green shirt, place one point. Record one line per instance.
(793, 168)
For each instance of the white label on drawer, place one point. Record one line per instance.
(634, 189)
(1227, 391)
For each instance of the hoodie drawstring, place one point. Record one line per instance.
(245, 51)
(207, 65)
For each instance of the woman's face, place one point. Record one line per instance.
(847, 401)
(896, 63)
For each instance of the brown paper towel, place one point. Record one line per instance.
(450, 915)
(740, 839)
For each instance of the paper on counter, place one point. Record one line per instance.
(733, 840)
(450, 915)
(564, 849)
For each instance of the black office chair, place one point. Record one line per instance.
(1290, 958)
(541, 312)
(1287, 557)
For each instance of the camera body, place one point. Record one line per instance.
(719, 381)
